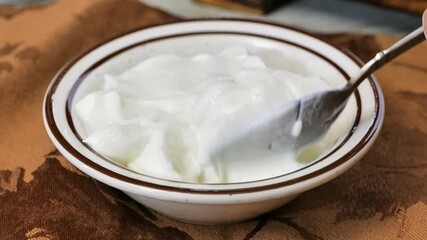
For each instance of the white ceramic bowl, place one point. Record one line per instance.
(212, 203)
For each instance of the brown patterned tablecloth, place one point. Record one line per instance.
(43, 197)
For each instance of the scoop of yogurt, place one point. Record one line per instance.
(165, 116)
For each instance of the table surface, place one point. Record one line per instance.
(42, 196)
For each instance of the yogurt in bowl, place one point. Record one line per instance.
(152, 138)
(166, 116)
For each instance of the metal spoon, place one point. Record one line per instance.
(304, 121)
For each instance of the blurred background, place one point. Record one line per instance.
(392, 17)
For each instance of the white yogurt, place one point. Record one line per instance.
(165, 116)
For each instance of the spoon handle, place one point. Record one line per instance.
(387, 55)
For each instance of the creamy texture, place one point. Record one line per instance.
(165, 116)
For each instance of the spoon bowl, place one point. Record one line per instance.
(302, 122)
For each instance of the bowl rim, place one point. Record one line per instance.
(51, 125)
